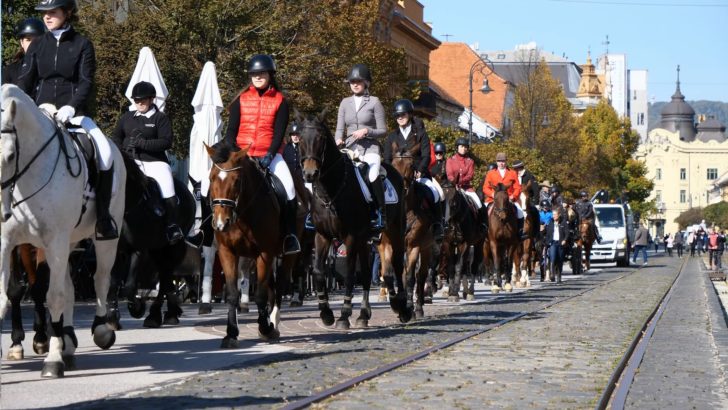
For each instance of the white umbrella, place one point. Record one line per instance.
(147, 70)
(207, 125)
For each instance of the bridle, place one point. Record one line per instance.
(233, 204)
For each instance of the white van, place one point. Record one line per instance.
(615, 223)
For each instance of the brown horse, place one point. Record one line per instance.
(419, 239)
(586, 240)
(503, 238)
(339, 210)
(246, 216)
(529, 257)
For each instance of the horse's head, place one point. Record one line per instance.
(227, 177)
(502, 206)
(403, 161)
(314, 137)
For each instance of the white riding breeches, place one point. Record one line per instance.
(474, 197)
(280, 169)
(519, 211)
(438, 188)
(433, 187)
(105, 159)
(375, 161)
(162, 173)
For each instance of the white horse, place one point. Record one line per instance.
(45, 202)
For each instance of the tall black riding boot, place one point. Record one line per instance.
(290, 242)
(483, 215)
(596, 233)
(106, 228)
(437, 225)
(174, 233)
(381, 220)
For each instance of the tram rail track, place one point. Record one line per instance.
(615, 394)
(386, 368)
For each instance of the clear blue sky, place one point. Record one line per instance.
(656, 35)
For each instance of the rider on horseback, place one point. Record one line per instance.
(460, 171)
(507, 177)
(524, 176)
(585, 210)
(359, 127)
(26, 31)
(258, 123)
(411, 131)
(145, 134)
(59, 69)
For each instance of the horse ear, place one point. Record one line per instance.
(322, 115)
(209, 149)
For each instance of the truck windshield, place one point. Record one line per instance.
(610, 217)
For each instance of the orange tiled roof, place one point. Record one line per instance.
(450, 67)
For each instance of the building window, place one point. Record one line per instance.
(683, 174)
(658, 174)
(658, 196)
(712, 173)
(683, 196)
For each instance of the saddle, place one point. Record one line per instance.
(153, 197)
(279, 191)
(85, 147)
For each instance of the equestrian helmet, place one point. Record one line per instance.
(45, 5)
(30, 27)
(403, 106)
(545, 204)
(463, 142)
(359, 72)
(556, 189)
(440, 148)
(583, 194)
(261, 63)
(143, 89)
(294, 128)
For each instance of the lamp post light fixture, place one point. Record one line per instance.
(478, 67)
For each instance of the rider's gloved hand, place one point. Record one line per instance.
(266, 160)
(65, 113)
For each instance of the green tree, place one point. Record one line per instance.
(690, 217)
(717, 214)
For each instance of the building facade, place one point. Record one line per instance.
(637, 102)
(684, 163)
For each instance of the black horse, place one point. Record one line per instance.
(339, 210)
(144, 238)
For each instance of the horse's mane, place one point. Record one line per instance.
(11, 91)
(133, 173)
(222, 151)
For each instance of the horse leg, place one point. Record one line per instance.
(230, 267)
(322, 246)
(421, 280)
(103, 334)
(352, 250)
(453, 295)
(38, 293)
(174, 311)
(264, 269)
(57, 257)
(411, 272)
(15, 294)
(365, 277)
(208, 253)
(243, 282)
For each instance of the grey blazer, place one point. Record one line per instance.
(370, 115)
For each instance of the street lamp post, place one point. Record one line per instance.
(478, 67)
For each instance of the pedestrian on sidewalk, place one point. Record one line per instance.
(721, 248)
(669, 243)
(641, 238)
(692, 242)
(678, 243)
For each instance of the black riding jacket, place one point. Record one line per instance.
(11, 72)
(562, 226)
(417, 135)
(292, 156)
(60, 72)
(585, 210)
(154, 135)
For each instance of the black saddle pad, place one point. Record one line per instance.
(278, 189)
(153, 196)
(86, 148)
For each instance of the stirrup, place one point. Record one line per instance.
(378, 221)
(291, 246)
(308, 223)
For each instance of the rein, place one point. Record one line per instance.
(233, 204)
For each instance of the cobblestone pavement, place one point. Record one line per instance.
(547, 341)
(560, 358)
(682, 367)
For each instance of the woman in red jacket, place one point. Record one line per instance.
(258, 122)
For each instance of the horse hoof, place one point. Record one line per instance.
(153, 322)
(229, 343)
(343, 324)
(243, 308)
(327, 317)
(419, 313)
(69, 362)
(114, 325)
(362, 323)
(470, 297)
(453, 299)
(137, 307)
(444, 293)
(406, 315)
(205, 309)
(170, 319)
(508, 287)
(16, 353)
(52, 370)
(274, 334)
(382, 299)
(40, 347)
(104, 337)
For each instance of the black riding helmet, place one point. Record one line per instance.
(30, 27)
(360, 72)
(45, 5)
(440, 148)
(403, 106)
(294, 128)
(583, 194)
(462, 141)
(545, 204)
(142, 90)
(556, 189)
(260, 63)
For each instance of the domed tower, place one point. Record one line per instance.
(678, 115)
(711, 130)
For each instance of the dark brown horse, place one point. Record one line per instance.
(503, 238)
(419, 239)
(247, 223)
(529, 257)
(585, 241)
(463, 242)
(339, 210)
